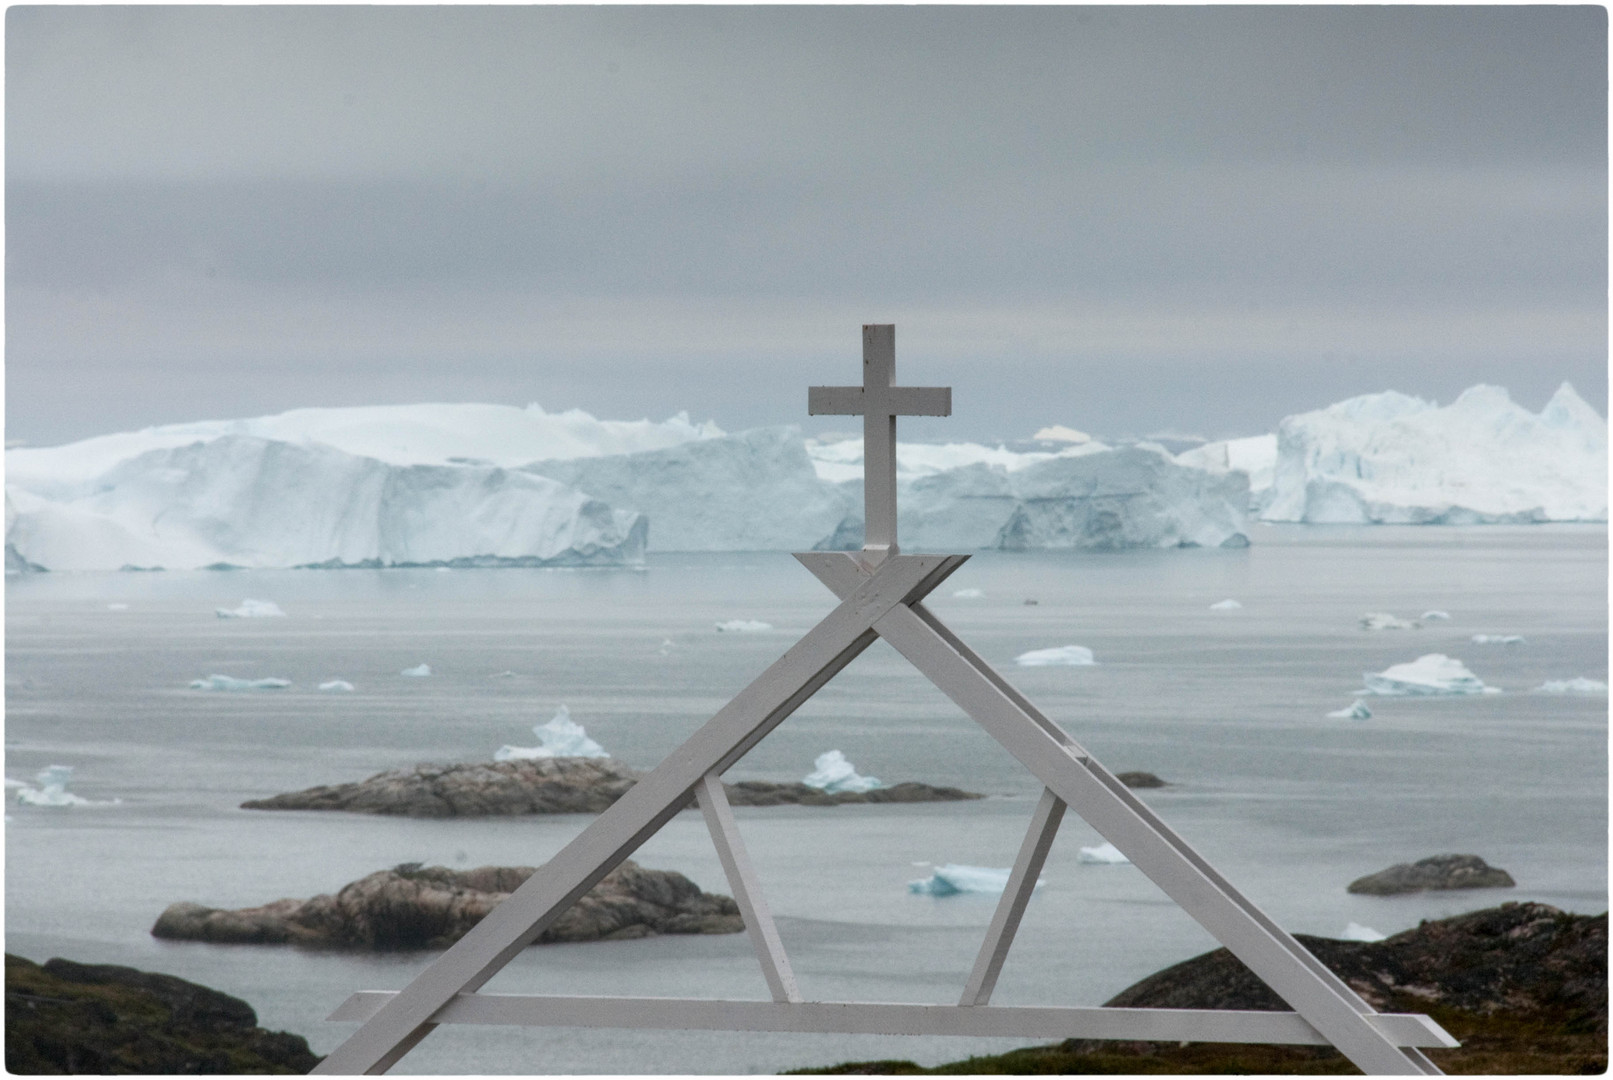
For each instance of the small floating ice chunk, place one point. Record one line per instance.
(951, 879)
(117, 607)
(834, 773)
(1105, 854)
(1382, 620)
(1064, 655)
(337, 686)
(252, 609)
(561, 737)
(1434, 673)
(52, 789)
(742, 626)
(1572, 686)
(229, 682)
(419, 671)
(1497, 639)
(1433, 616)
(1358, 711)
(1356, 932)
(1228, 604)
(505, 675)
(969, 594)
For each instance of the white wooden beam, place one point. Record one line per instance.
(1022, 880)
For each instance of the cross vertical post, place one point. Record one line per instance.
(879, 401)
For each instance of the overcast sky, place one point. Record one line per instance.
(1127, 220)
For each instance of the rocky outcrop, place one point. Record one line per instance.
(559, 785)
(415, 907)
(1435, 872)
(1516, 958)
(1140, 780)
(64, 1017)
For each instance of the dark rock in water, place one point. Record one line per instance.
(560, 785)
(1140, 780)
(414, 907)
(64, 1017)
(1516, 959)
(1435, 872)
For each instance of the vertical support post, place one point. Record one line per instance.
(1021, 882)
(747, 892)
(879, 440)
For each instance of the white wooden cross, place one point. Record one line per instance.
(879, 401)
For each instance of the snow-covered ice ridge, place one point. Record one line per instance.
(1393, 459)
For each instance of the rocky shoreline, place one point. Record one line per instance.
(415, 907)
(64, 1017)
(558, 785)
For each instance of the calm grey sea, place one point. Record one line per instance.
(1228, 706)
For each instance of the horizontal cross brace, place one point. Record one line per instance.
(901, 400)
(880, 1018)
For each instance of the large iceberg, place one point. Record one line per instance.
(1483, 459)
(754, 491)
(832, 773)
(1434, 673)
(243, 500)
(560, 737)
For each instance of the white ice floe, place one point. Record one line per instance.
(743, 626)
(117, 607)
(339, 686)
(834, 773)
(1358, 711)
(1572, 686)
(1105, 854)
(230, 682)
(1382, 620)
(1356, 932)
(1062, 656)
(1060, 433)
(505, 675)
(52, 789)
(1497, 639)
(1432, 674)
(1483, 459)
(1228, 604)
(1436, 616)
(952, 879)
(419, 671)
(252, 609)
(969, 594)
(561, 737)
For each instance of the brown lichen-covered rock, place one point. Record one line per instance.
(414, 907)
(1140, 780)
(1435, 872)
(63, 1017)
(560, 785)
(1516, 958)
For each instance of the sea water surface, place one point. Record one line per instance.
(1228, 706)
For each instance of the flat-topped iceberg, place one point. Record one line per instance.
(951, 879)
(1394, 459)
(1432, 674)
(1382, 620)
(419, 671)
(743, 626)
(1061, 656)
(1497, 639)
(338, 686)
(1228, 604)
(247, 501)
(833, 773)
(1580, 685)
(560, 737)
(230, 682)
(252, 609)
(1105, 854)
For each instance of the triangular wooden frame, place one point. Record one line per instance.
(883, 599)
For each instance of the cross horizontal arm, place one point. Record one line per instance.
(898, 400)
(880, 1018)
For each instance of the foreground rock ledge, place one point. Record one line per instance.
(63, 1017)
(561, 785)
(415, 907)
(1434, 872)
